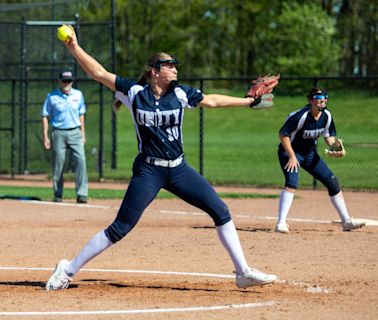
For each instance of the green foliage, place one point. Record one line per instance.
(212, 38)
(223, 38)
(300, 42)
(357, 32)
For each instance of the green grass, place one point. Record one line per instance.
(45, 193)
(240, 144)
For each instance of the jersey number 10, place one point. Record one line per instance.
(173, 133)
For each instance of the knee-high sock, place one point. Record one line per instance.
(339, 204)
(286, 199)
(94, 247)
(228, 236)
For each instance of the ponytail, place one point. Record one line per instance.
(144, 76)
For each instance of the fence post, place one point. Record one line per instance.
(13, 146)
(201, 133)
(101, 138)
(22, 131)
(113, 67)
(315, 181)
(26, 123)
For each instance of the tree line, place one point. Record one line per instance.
(241, 38)
(235, 38)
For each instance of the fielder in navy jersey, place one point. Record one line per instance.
(297, 149)
(157, 104)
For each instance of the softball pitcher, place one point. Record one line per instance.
(297, 149)
(157, 103)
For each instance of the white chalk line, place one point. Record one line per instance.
(139, 311)
(301, 284)
(194, 274)
(307, 287)
(67, 204)
(369, 222)
(177, 212)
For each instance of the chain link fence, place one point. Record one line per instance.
(228, 146)
(236, 159)
(29, 70)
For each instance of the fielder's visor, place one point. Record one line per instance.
(319, 96)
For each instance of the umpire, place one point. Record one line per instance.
(64, 108)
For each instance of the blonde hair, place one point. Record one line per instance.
(151, 63)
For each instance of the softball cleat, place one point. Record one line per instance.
(282, 227)
(59, 280)
(254, 277)
(353, 224)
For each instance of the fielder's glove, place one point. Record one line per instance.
(337, 149)
(262, 85)
(261, 90)
(264, 101)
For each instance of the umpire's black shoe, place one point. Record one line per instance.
(81, 199)
(57, 199)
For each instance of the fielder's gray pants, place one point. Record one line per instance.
(73, 140)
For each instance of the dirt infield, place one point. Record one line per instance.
(173, 267)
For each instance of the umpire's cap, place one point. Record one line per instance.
(66, 75)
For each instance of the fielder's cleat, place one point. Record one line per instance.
(57, 199)
(352, 224)
(282, 227)
(254, 277)
(59, 280)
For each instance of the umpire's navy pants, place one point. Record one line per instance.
(146, 182)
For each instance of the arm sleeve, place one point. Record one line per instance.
(194, 96)
(331, 130)
(46, 107)
(82, 109)
(290, 124)
(123, 84)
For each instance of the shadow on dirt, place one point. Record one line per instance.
(240, 229)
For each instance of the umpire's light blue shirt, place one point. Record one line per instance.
(64, 110)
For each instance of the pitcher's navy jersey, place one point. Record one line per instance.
(158, 122)
(304, 130)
